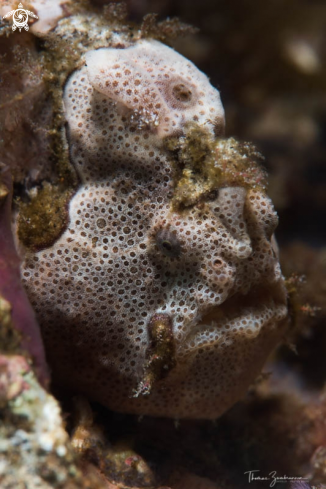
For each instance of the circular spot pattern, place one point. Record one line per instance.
(126, 256)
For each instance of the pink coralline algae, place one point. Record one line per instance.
(164, 294)
(15, 308)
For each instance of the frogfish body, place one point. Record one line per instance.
(164, 295)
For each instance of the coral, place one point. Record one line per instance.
(32, 435)
(154, 308)
(34, 446)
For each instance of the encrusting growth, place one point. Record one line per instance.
(160, 352)
(164, 294)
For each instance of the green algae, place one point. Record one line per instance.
(165, 30)
(44, 218)
(160, 354)
(203, 164)
(10, 338)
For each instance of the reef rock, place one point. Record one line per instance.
(163, 295)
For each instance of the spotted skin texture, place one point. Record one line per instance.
(98, 288)
(160, 88)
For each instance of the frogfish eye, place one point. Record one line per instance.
(168, 243)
